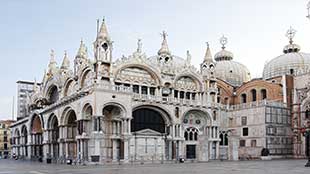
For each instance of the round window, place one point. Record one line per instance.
(198, 121)
(185, 121)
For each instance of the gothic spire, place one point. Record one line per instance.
(164, 45)
(82, 52)
(103, 31)
(208, 55)
(65, 63)
(52, 64)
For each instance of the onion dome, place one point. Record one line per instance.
(289, 63)
(228, 70)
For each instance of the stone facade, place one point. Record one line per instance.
(158, 108)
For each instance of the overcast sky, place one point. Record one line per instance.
(255, 31)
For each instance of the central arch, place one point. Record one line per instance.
(146, 118)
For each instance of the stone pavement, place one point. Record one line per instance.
(214, 167)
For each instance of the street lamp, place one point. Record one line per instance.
(308, 9)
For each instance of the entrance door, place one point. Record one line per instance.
(190, 151)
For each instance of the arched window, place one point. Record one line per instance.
(263, 94)
(243, 98)
(253, 93)
(222, 140)
(191, 134)
(53, 95)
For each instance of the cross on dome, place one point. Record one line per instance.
(290, 34)
(223, 41)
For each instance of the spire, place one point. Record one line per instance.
(208, 55)
(164, 45)
(103, 31)
(82, 52)
(52, 64)
(139, 48)
(65, 63)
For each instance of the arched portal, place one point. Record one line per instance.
(24, 141)
(113, 125)
(53, 131)
(17, 141)
(151, 127)
(71, 127)
(36, 138)
(199, 133)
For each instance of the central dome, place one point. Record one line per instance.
(228, 70)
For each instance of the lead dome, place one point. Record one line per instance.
(228, 70)
(292, 62)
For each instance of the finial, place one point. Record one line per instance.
(139, 43)
(103, 19)
(52, 54)
(290, 34)
(65, 53)
(223, 41)
(164, 35)
(81, 41)
(207, 43)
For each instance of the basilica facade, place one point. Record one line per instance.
(160, 108)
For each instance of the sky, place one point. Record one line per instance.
(255, 31)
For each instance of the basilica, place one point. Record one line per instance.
(100, 109)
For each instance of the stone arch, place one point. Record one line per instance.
(87, 111)
(148, 69)
(52, 94)
(64, 114)
(146, 117)
(67, 86)
(164, 112)
(84, 77)
(185, 76)
(207, 114)
(36, 124)
(115, 104)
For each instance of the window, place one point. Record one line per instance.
(263, 94)
(253, 143)
(245, 131)
(144, 90)
(97, 124)
(253, 93)
(188, 95)
(243, 121)
(152, 91)
(191, 134)
(4, 132)
(5, 146)
(177, 112)
(181, 95)
(214, 115)
(176, 94)
(307, 115)
(135, 89)
(242, 143)
(243, 98)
